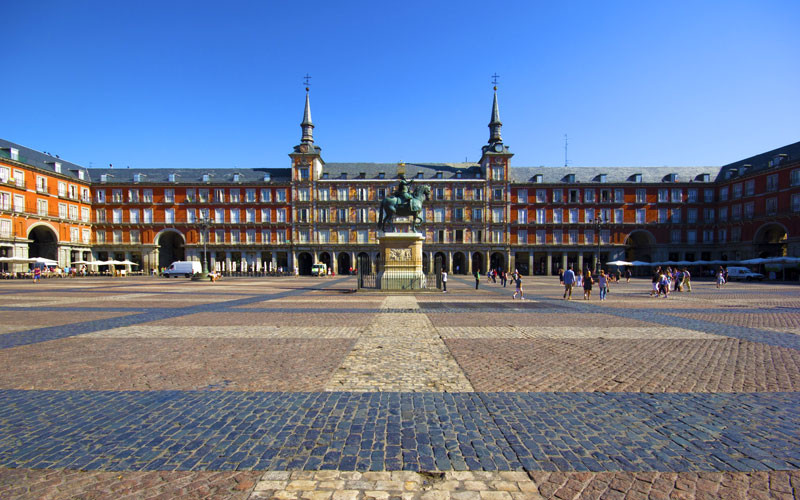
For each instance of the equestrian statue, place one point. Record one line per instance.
(402, 203)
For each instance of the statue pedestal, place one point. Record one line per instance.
(401, 256)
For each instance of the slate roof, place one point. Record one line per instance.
(40, 160)
(760, 162)
(428, 170)
(191, 175)
(614, 175)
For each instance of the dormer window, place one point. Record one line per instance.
(171, 177)
(206, 177)
(458, 174)
(267, 177)
(12, 153)
(103, 178)
(731, 173)
(139, 177)
(777, 160)
(237, 178)
(324, 175)
(381, 175)
(419, 175)
(537, 179)
(704, 178)
(80, 174)
(671, 178)
(478, 174)
(362, 175)
(343, 175)
(602, 178)
(438, 175)
(569, 178)
(636, 178)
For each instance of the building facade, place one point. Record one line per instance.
(481, 215)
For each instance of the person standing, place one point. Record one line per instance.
(602, 282)
(518, 282)
(587, 285)
(37, 274)
(687, 279)
(503, 278)
(628, 275)
(444, 281)
(569, 280)
(477, 279)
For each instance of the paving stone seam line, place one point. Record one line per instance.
(44, 334)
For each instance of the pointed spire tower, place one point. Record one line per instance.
(495, 152)
(495, 124)
(306, 160)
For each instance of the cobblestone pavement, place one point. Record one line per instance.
(300, 388)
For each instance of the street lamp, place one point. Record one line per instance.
(597, 223)
(203, 224)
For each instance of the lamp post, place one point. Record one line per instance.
(597, 222)
(203, 225)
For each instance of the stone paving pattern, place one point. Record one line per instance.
(362, 395)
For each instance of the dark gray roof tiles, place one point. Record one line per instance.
(763, 161)
(43, 161)
(190, 175)
(389, 170)
(592, 175)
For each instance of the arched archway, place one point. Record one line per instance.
(477, 262)
(304, 262)
(343, 263)
(770, 240)
(639, 246)
(459, 263)
(170, 247)
(44, 242)
(426, 263)
(497, 261)
(363, 263)
(325, 258)
(440, 259)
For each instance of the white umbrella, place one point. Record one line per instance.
(755, 261)
(619, 263)
(16, 260)
(640, 263)
(46, 262)
(128, 262)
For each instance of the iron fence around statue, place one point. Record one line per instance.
(396, 277)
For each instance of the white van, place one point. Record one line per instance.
(319, 270)
(743, 273)
(183, 268)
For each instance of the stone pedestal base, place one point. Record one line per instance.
(401, 256)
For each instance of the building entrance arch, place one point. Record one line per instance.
(497, 261)
(639, 246)
(440, 262)
(477, 263)
(770, 240)
(44, 242)
(343, 263)
(304, 263)
(459, 263)
(170, 247)
(325, 258)
(363, 263)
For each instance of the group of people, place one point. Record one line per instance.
(584, 280)
(666, 281)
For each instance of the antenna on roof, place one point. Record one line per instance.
(566, 144)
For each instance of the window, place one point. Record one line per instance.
(663, 214)
(324, 235)
(169, 196)
(341, 194)
(438, 193)
(62, 191)
(522, 236)
(343, 236)
(86, 195)
(691, 195)
(641, 216)
(588, 237)
(303, 194)
(497, 194)
(133, 216)
(117, 235)
(691, 216)
(86, 235)
(736, 234)
(477, 194)
(572, 237)
(772, 182)
(708, 236)
(323, 215)
(458, 215)
(723, 235)
(266, 194)
(522, 196)
(723, 193)
(303, 173)
(691, 237)
(219, 215)
(663, 195)
(190, 215)
(723, 214)
(497, 173)
(541, 196)
(541, 216)
(750, 187)
(362, 215)
(234, 196)
(148, 216)
(677, 195)
(250, 214)
(605, 195)
(708, 195)
(100, 236)
(557, 239)
(5, 174)
(342, 215)
(100, 196)
(266, 215)
(235, 238)
(619, 196)
(605, 236)
(794, 178)
(641, 195)
(135, 236)
(302, 215)
(219, 236)
(498, 236)
(573, 214)
(736, 212)
(362, 236)
(169, 215)
(675, 236)
(619, 216)
(41, 207)
(588, 215)
(708, 215)
(541, 236)
(438, 215)
(324, 194)
(676, 215)
(477, 214)
(133, 196)
(522, 216)
(281, 215)
(497, 214)
(280, 195)
(234, 215)
(459, 193)
(190, 196)
(147, 196)
(558, 196)
(796, 202)
(41, 184)
(362, 194)
(557, 216)
(116, 215)
(737, 191)
(203, 195)
(574, 196)
(73, 191)
(588, 195)
(749, 210)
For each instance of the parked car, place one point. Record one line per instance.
(743, 273)
(182, 268)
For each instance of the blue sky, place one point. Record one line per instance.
(219, 84)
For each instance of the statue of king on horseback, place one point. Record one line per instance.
(403, 203)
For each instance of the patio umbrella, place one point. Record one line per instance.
(640, 263)
(619, 263)
(128, 262)
(46, 262)
(759, 260)
(17, 260)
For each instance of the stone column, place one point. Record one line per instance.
(228, 261)
(595, 257)
(530, 263)
(580, 261)
(564, 261)
(468, 257)
(451, 269)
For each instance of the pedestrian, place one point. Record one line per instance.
(518, 283)
(444, 281)
(503, 278)
(655, 280)
(37, 274)
(477, 279)
(628, 275)
(720, 277)
(587, 285)
(602, 283)
(569, 280)
(494, 276)
(687, 279)
(560, 276)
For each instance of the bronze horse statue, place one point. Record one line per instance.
(392, 207)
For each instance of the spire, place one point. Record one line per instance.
(495, 124)
(307, 126)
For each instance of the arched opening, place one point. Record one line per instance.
(521, 263)
(44, 243)
(344, 266)
(304, 263)
(440, 259)
(497, 261)
(770, 240)
(477, 263)
(639, 246)
(363, 263)
(426, 263)
(170, 248)
(459, 263)
(325, 258)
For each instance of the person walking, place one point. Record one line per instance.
(444, 281)
(37, 274)
(587, 285)
(687, 279)
(503, 278)
(518, 283)
(477, 279)
(628, 275)
(569, 280)
(602, 283)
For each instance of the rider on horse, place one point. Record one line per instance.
(402, 192)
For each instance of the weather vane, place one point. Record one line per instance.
(494, 80)
(306, 81)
